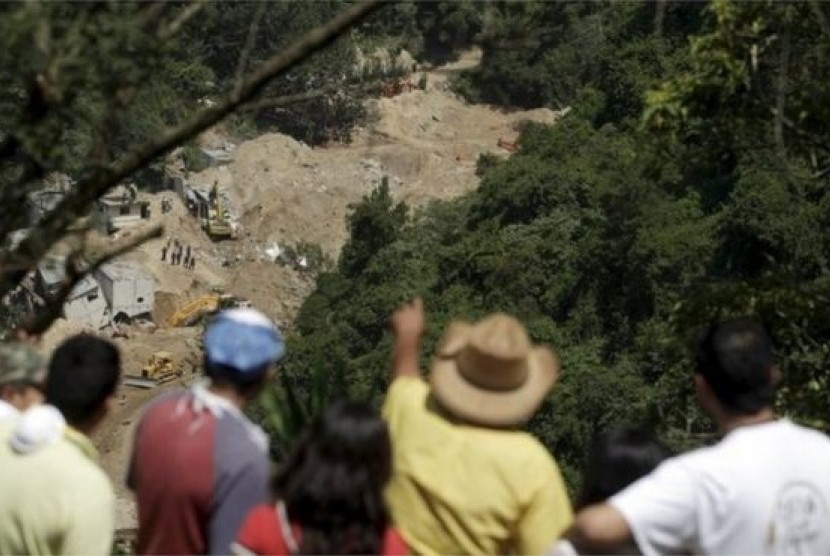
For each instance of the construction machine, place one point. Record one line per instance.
(215, 217)
(201, 306)
(161, 368)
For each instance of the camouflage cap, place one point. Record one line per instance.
(20, 362)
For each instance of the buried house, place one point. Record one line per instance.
(85, 303)
(128, 288)
(119, 209)
(118, 291)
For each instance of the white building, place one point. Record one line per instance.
(129, 290)
(119, 209)
(86, 303)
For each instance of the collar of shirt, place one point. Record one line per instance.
(204, 399)
(82, 442)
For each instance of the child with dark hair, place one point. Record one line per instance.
(329, 491)
(619, 457)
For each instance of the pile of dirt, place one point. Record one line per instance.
(425, 143)
(58, 332)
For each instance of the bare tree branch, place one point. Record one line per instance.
(97, 181)
(249, 45)
(801, 134)
(75, 272)
(166, 32)
(153, 12)
(311, 95)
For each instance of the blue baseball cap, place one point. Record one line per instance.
(244, 340)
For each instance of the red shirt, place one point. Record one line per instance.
(262, 534)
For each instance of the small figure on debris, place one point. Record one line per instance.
(193, 262)
(163, 253)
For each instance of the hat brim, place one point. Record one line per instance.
(491, 407)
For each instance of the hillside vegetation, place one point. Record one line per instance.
(688, 182)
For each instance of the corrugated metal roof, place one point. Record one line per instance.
(124, 270)
(83, 287)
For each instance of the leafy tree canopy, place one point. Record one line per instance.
(688, 183)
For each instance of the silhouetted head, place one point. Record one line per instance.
(83, 374)
(619, 457)
(332, 482)
(735, 359)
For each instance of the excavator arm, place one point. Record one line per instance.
(192, 310)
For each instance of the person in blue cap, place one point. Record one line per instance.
(198, 463)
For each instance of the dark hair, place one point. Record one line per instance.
(619, 457)
(332, 482)
(83, 372)
(246, 384)
(735, 357)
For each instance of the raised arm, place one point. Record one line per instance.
(408, 326)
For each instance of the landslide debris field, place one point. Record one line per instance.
(425, 142)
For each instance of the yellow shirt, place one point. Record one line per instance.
(464, 489)
(56, 500)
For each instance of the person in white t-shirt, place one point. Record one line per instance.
(763, 489)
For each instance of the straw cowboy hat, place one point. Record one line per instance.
(489, 373)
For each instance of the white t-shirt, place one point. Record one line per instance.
(7, 410)
(764, 489)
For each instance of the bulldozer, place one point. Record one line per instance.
(161, 367)
(201, 306)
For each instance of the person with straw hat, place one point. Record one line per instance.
(466, 479)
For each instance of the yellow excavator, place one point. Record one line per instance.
(201, 306)
(215, 217)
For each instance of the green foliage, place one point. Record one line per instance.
(194, 160)
(614, 242)
(549, 53)
(106, 81)
(315, 259)
(285, 410)
(373, 224)
(223, 34)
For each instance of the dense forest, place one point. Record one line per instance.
(688, 182)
